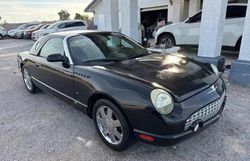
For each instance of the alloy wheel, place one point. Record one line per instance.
(109, 125)
(27, 79)
(168, 42)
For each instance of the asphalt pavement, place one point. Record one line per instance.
(40, 127)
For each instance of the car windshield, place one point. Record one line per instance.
(44, 27)
(103, 47)
(53, 25)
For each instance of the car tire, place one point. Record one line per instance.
(167, 40)
(30, 86)
(1, 37)
(111, 125)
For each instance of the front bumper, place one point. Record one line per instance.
(168, 140)
(178, 128)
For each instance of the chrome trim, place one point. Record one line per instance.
(75, 101)
(66, 48)
(206, 112)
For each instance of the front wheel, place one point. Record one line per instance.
(111, 125)
(1, 37)
(28, 81)
(168, 41)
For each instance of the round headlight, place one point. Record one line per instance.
(215, 69)
(162, 101)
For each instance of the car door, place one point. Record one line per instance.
(234, 24)
(53, 75)
(190, 30)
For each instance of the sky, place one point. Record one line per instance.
(19, 11)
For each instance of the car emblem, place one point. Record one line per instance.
(213, 89)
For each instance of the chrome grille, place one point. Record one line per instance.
(206, 112)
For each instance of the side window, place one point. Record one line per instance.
(53, 46)
(74, 24)
(196, 18)
(236, 12)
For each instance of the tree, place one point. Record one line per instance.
(0, 19)
(64, 15)
(82, 17)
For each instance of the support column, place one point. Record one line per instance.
(175, 11)
(211, 30)
(112, 15)
(129, 15)
(194, 7)
(240, 69)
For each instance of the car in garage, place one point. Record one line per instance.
(20, 29)
(187, 32)
(129, 92)
(3, 32)
(67, 25)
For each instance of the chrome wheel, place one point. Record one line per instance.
(109, 125)
(27, 79)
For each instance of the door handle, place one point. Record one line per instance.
(37, 65)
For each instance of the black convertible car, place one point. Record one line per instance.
(129, 92)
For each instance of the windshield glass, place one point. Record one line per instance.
(52, 25)
(102, 47)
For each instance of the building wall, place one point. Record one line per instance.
(152, 3)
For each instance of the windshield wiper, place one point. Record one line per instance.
(137, 56)
(103, 60)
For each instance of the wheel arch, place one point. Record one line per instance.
(99, 95)
(165, 33)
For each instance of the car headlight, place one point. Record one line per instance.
(215, 69)
(162, 101)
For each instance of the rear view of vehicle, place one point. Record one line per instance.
(2, 32)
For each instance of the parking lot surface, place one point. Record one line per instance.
(41, 127)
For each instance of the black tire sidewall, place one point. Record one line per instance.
(126, 142)
(33, 89)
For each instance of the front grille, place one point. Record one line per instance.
(206, 112)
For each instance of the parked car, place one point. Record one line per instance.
(3, 32)
(67, 25)
(11, 33)
(129, 92)
(187, 32)
(40, 30)
(28, 32)
(20, 34)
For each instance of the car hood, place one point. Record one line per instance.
(169, 27)
(183, 77)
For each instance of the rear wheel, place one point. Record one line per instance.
(28, 81)
(111, 125)
(167, 40)
(1, 37)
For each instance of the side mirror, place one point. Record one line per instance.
(56, 58)
(59, 58)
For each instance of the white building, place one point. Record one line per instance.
(127, 16)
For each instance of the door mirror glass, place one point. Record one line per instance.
(56, 58)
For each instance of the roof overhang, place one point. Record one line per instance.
(91, 6)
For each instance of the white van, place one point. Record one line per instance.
(187, 32)
(67, 25)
